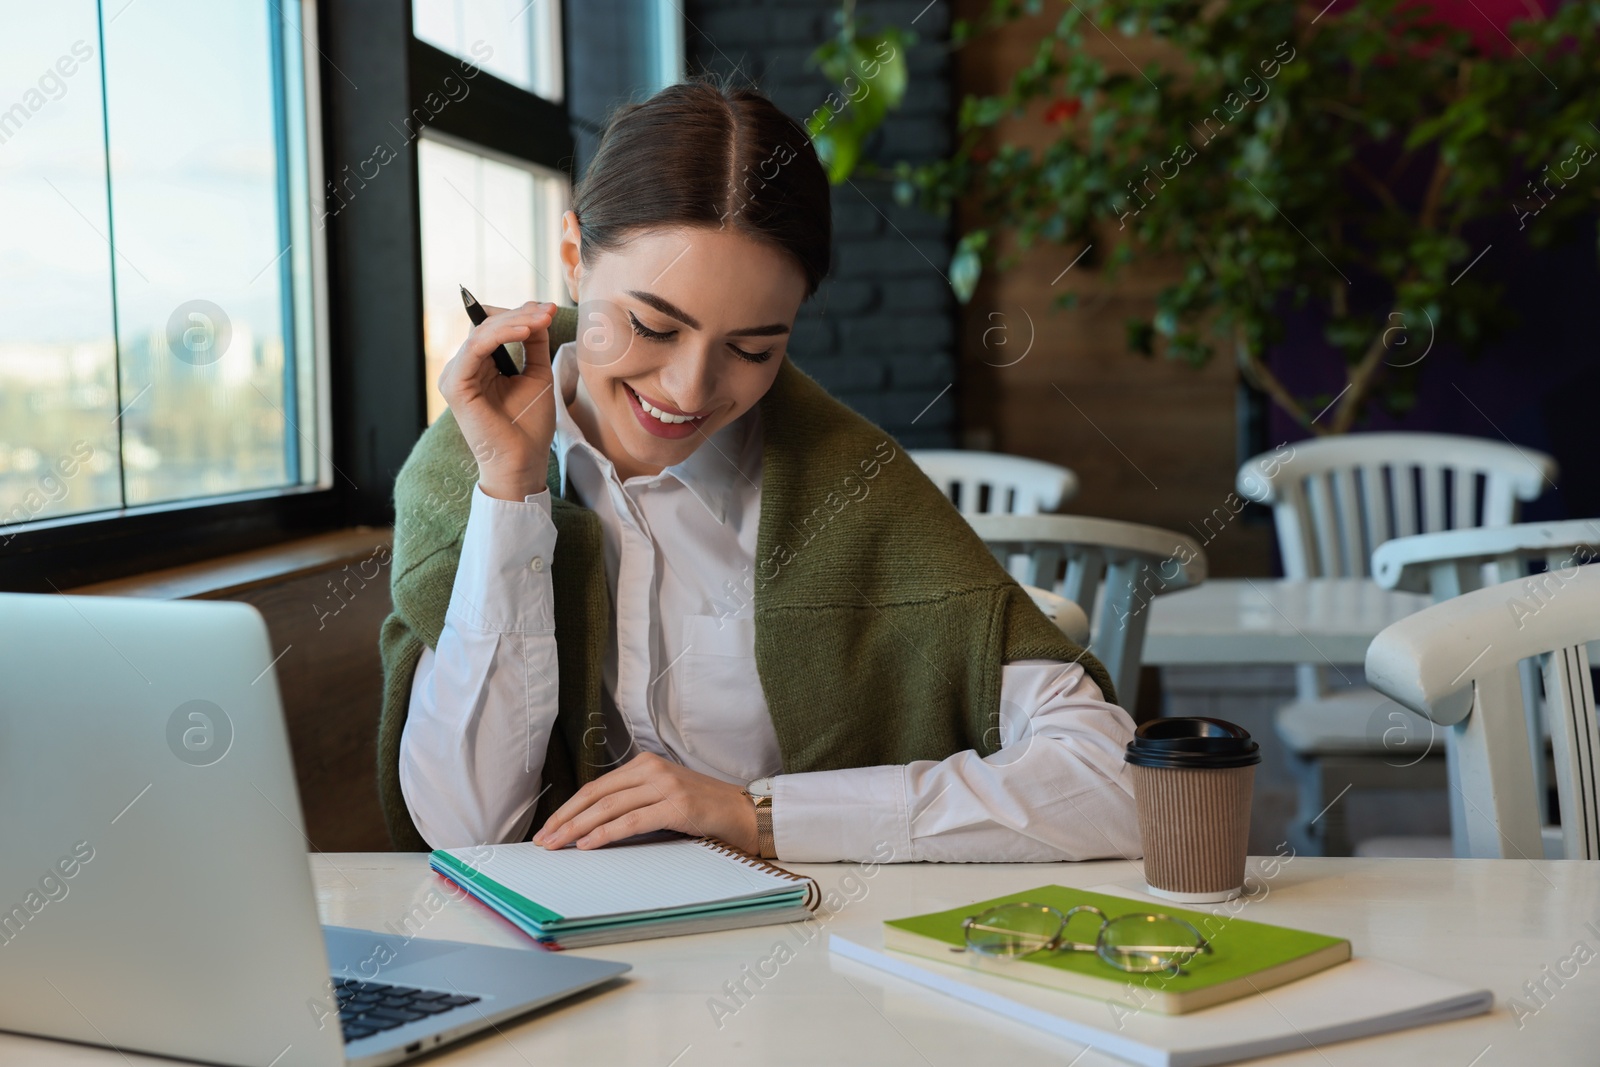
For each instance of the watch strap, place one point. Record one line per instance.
(766, 846)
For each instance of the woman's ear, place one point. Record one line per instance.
(571, 252)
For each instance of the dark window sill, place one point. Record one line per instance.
(228, 577)
(53, 555)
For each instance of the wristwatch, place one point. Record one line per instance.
(760, 794)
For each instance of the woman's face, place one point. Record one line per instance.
(685, 322)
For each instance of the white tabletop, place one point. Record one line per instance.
(1490, 923)
(1272, 620)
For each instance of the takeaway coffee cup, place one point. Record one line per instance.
(1191, 781)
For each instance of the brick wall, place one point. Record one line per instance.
(880, 332)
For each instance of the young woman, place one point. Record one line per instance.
(798, 646)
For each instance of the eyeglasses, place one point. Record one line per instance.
(1138, 942)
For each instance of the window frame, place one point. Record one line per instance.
(495, 114)
(64, 551)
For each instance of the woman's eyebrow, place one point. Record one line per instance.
(668, 308)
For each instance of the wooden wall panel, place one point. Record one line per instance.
(1151, 440)
(332, 686)
(323, 614)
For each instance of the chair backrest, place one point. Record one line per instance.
(1110, 569)
(1456, 663)
(1454, 562)
(992, 483)
(1336, 499)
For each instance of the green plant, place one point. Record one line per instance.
(1280, 153)
(869, 72)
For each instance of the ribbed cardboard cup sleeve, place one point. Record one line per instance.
(1194, 824)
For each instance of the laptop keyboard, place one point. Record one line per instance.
(367, 1008)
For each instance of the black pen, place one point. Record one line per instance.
(475, 312)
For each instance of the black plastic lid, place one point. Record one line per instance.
(1192, 742)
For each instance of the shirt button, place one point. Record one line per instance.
(537, 564)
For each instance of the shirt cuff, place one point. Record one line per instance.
(502, 582)
(828, 816)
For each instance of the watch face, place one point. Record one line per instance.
(761, 787)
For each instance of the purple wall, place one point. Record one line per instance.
(1538, 385)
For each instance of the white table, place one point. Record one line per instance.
(1272, 620)
(1492, 923)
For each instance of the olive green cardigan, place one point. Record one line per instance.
(882, 620)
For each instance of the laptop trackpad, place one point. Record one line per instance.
(370, 954)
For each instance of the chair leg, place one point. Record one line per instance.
(1331, 822)
(1304, 835)
(1320, 826)
(1343, 775)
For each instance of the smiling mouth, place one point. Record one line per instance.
(665, 417)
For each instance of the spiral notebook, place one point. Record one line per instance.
(571, 898)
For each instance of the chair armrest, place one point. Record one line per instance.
(1404, 562)
(1428, 661)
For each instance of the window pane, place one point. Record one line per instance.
(490, 225)
(518, 41)
(58, 384)
(199, 281)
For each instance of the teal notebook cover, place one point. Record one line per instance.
(553, 894)
(542, 920)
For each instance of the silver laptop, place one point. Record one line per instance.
(155, 890)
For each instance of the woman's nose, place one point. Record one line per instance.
(689, 379)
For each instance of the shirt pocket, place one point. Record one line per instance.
(721, 713)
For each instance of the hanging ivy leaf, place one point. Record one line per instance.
(869, 74)
(966, 265)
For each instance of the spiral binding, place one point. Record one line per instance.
(813, 891)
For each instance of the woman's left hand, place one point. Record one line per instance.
(651, 793)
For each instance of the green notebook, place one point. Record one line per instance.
(1246, 956)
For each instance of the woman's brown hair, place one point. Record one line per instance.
(704, 154)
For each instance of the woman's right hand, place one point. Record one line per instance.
(508, 421)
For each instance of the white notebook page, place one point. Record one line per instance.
(621, 879)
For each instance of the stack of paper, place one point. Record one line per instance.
(1354, 999)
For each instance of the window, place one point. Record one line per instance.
(490, 223)
(180, 261)
(159, 266)
(491, 192)
(523, 38)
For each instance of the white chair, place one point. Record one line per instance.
(1457, 663)
(985, 483)
(1459, 561)
(1334, 500)
(1110, 569)
(1069, 618)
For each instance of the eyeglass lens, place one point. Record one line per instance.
(1146, 942)
(1135, 942)
(1013, 929)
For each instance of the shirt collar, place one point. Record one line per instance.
(712, 472)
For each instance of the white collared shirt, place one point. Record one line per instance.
(680, 681)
